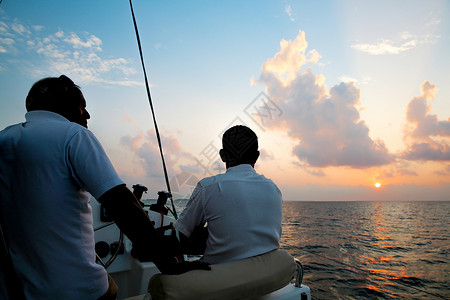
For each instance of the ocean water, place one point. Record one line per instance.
(371, 250)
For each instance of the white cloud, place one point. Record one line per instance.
(77, 55)
(428, 138)
(314, 56)
(364, 80)
(345, 78)
(6, 41)
(20, 29)
(59, 34)
(385, 47)
(433, 22)
(405, 42)
(290, 12)
(326, 123)
(37, 27)
(290, 58)
(4, 28)
(91, 42)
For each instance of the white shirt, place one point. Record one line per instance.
(243, 211)
(46, 166)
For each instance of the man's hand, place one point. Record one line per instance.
(185, 266)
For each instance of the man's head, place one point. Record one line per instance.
(59, 95)
(239, 146)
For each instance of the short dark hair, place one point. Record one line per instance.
(240, 144)
(54, 94)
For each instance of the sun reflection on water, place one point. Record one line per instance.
(369, 250)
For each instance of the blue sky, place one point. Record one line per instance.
(342, 94)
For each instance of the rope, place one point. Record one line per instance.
(371, 273)
(153, 112)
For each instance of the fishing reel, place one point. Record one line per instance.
(160, 205)
(138, 190)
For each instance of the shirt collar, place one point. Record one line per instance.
(43, 115)
(241, 168)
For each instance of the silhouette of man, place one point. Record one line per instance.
(47, 166)
(241, 208)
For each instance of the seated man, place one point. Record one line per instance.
(241, 208)
(48, 164)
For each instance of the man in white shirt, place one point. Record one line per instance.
(48, 164)
(241, 208)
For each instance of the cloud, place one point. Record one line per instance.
(145, 148)
(37, 27)
(146, 151)
(444, 172)
(428, 151)
(427, 137)
(290, 12)
(77, 55)
(291, 57)
(6, 41)
(4, 28)
(20, 29)
(265, 155)
(80, 57)
(365, 80)
(403, 43)
(312, 171)
(6, 38)
(325, 123)
(398, 170)
(92, 41)
(407, 172)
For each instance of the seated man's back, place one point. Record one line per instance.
(242, 209)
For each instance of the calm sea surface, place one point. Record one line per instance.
(371, 250)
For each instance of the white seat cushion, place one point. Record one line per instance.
(247, 278)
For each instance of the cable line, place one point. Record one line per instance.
(153, 111)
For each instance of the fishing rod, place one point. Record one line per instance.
(153, 111)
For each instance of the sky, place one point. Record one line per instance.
(342, 94)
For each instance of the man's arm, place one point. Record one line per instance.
(125, 210)
(191, 224)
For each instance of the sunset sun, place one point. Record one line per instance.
(377, 185)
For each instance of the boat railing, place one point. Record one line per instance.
(299, 273)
